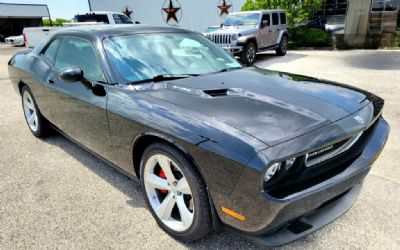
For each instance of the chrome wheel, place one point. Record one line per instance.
(30, 111)
(168, 192)
(251, 54)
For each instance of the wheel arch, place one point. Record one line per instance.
(21, 84)
(142, 141)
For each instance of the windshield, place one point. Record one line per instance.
(242, 19)
(135, 58)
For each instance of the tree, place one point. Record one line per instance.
(56, 22)
(298, 11)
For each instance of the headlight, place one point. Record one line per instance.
(271, 171)
(234, 37)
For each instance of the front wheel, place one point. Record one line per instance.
(248, 55)
(282, 49)
(175, 193)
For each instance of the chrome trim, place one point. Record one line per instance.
(221, 38)
(334, 153)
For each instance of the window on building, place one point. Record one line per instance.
(385, 5)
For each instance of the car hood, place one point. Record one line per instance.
(271, 106)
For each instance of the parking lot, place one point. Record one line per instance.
(55, 195)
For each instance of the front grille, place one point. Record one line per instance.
(321, 155)
(221, 38)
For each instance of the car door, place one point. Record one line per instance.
(266, 31)
(275, 28)
(77, 109)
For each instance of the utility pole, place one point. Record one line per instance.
(90, 6)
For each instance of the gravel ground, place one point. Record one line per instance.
(54, 195)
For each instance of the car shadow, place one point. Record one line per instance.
(269, 58)
(375, 60)
(128, 186)
(225, 239)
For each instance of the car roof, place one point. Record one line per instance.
(109, 30)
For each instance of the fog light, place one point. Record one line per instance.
(289, 163)
(271, 171)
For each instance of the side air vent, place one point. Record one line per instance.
(216, 92)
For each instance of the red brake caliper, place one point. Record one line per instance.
(163, 176)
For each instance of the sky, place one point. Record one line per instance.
(59, 8)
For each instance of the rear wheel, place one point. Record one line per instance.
(175, 193)
(36, 122)
(282, 49)
(248, 55)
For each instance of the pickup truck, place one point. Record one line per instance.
(33, 35)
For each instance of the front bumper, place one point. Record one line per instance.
(273, 222)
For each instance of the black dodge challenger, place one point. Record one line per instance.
(272, 155)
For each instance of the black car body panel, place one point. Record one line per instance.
(232, 125)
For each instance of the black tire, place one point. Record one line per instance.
(282, 49)
(248, 55)
(41, 128)
(202, 217)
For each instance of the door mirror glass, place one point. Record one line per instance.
(265, 23)
(71, 74)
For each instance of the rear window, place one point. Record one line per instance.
(92, 18)
(283, 18)
(275, 19)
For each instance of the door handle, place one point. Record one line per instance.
(51, 81)
(269, 31)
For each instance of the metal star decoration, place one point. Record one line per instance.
(171, 12)
(127, 12)
(224, 8)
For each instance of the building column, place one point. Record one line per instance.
(357, 18)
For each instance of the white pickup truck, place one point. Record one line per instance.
(34, 35)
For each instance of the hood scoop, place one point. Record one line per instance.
(216, 92)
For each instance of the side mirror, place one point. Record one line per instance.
(264, 24)
(71, 74)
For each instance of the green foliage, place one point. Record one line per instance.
(298, 11)
(56, 22)
(311, 37)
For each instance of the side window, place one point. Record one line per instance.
(121, 19)
(283, 18)
(51, 50)
(76, 52)
(266, 20)
(117, 19)
(275, 19)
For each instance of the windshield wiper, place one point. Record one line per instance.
(161, 78)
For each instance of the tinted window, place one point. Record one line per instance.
(267, 17)
(74, 52)
(50, 52)
(92, 18)
(121, 19)
(275, 19)
(283, 18)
